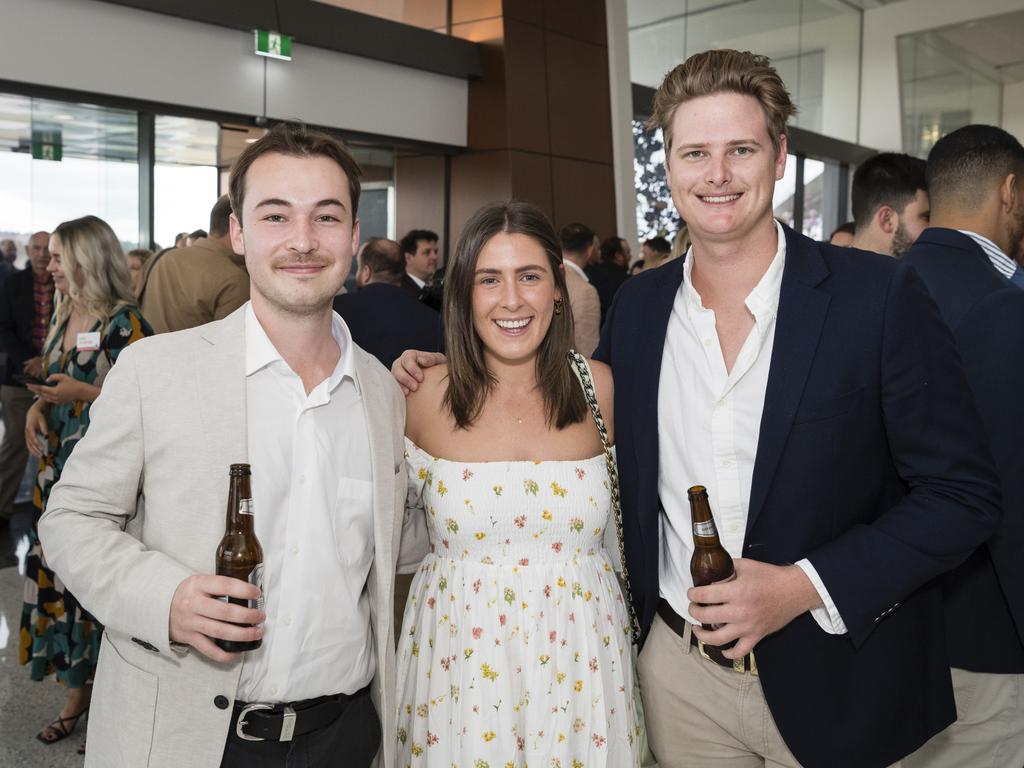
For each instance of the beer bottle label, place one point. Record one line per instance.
(706, 529)
(256, 578)
(245, 507)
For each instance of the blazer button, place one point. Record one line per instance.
(221, 702)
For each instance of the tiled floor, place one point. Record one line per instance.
(26, 706)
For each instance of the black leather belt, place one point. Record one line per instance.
(253, 721)
(713, 653)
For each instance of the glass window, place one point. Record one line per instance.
(943, 87)
(814, 45)
(62, 160)
(785, 192)
(655, 213)
(185, 178)
(814, 199)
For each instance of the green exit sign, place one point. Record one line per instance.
(273, 44)
(47, 144)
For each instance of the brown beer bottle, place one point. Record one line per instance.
(239, 554)
(710, 563)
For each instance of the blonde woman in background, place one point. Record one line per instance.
(94, 319)
(680, 244)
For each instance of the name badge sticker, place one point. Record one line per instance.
(88, 342)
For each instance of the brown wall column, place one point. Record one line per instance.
(540, 117)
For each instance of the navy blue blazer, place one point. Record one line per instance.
(985, 595)
(386, 321)
(864, 465)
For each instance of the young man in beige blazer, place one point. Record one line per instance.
(134, 524)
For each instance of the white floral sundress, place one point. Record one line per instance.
(515, 651)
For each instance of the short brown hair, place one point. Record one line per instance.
(384, 258)
(469, 381)
(298, 141)
(723, 71)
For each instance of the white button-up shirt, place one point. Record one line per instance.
(709, 421)
(313, 507)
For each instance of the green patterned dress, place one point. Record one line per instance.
(57, 633)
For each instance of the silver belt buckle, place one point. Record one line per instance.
(287, 724)
(240, 724)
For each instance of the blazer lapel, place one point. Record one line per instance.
(646, 376)
(801, 315)
(220, 376)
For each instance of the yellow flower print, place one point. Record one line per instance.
(543, 659)
(498, 490)
(559, 677)
(442, 489)
(578, 686)
(531, 487)
(546, 515)
(556, 489)
(480, 535)
(417, 750)
(489, 735)
(560, 582)
(488, 673)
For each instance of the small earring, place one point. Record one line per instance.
(558, 306)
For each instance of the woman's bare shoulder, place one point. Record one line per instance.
(605, 388)
(424, 409)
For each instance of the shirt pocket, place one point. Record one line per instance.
(352, 522)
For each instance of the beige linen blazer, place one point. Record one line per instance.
(586, 312)
(141, 505)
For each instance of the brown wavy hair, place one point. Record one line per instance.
(724, 71)
(469, 380)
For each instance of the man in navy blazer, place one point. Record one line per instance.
(818, 395)
(383, 318)
(975, 177)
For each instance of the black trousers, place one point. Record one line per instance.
(351, 741)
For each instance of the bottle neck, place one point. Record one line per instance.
(240, 510)
(705, 532)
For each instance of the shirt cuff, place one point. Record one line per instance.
(827, 616)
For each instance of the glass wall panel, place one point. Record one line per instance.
(61, 160)
(814, 44)
(785, 192)
(655, 213)
(814, 189)
(185, 179)
(943, 87)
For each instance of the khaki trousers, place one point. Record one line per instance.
(989, 727)
(13, 451)
(701, 715)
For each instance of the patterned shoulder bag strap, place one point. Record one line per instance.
(579, 366)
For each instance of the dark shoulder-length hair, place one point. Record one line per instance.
(469, 381)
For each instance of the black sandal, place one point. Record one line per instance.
(60, 729)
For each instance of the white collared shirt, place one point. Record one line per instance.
(313, 504)
(709, 422)
(570, 264)
(1002, 263)
(419, 283)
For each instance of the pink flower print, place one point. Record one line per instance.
(501, 619)
(572, 617)
(467, 473)
(593, 664)
(524, 561)
(477, 631)
(431, 739)
(520, 521)
(444, 542)
(580, 473)
(520, 743)
(547, 590)
(446, 663)
(476, 587)
(552, 636)
(431, 602)
(557, 546)
(598, 740)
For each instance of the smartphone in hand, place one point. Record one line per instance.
(24, 378)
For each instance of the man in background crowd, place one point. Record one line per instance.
(578, 250)
(384, 319)
(420, 249)
(608, 272)
(26, 304)
(8, 255)
(843, 235)
(655, 251)
(975, 180)
(190, 286)
(890, 203)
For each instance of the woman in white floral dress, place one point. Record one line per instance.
(515, 648)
